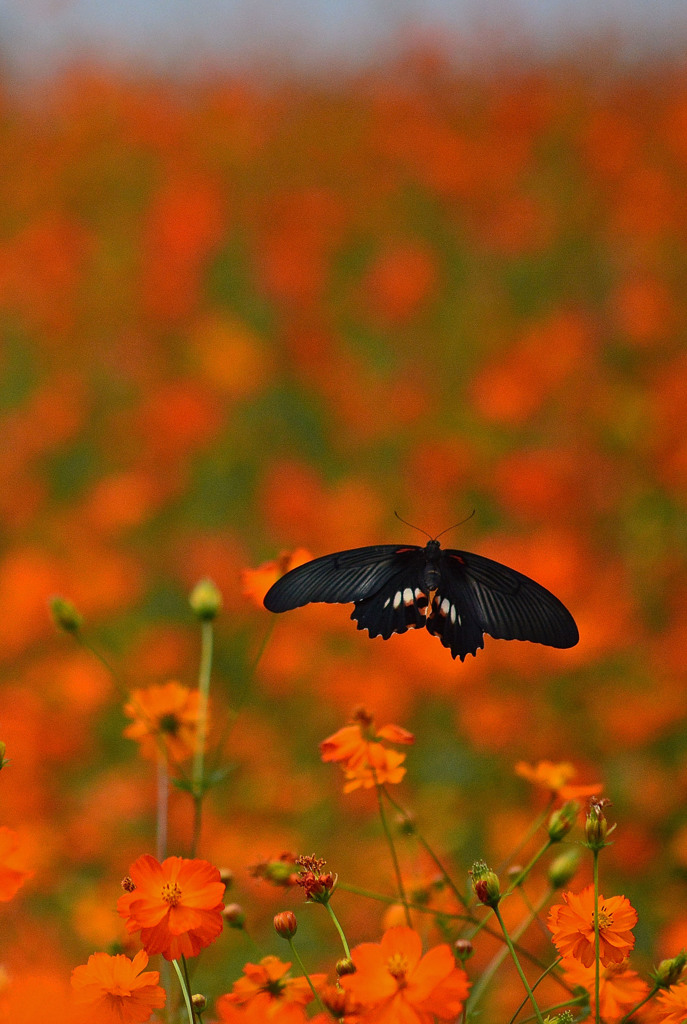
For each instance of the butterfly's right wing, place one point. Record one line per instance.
(353, 575)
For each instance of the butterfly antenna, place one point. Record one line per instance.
(449, 528)
(412, 526)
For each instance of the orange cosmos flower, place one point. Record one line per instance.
(572, 927)
(267, 988)
(177, 905)
(619, 988)
(671, 1005)
(256, 582)
(395, 984)
(116, 990)
(360, 752)
(555, 777)
(164, 717)
(11, 877)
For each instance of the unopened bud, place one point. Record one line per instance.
(562, 821)
(199, 1002)
(596, 826)
(464, 949)
(234, 915)
(205, 600)
(345, 966)
(285, 924)
(64, 615)
(670, 971)
(486, 884)
(564, 867)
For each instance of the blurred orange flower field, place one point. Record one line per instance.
(244, 321)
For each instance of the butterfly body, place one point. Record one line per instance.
(458, 596)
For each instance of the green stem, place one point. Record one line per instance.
(428, 849)
(640, 1004)
(296, 956)
(597, 941)
(339, 930)
(481, 985)
(204, 672)
(162, 807)
(519, 969)
(532, 830)
(184, 989)
(392, 849)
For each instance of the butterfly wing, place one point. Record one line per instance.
(400, 604)
(353, 575)
(489, 597)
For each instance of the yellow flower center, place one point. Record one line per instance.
(605, 919)
(397, 966)
(171, 893)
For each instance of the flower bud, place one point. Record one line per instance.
(199, 1002)
(464, 949)
(285, 924)
(562, 821)
(338, 1001)
(64, 615)
(345, 966)
(486, 884)
(227, 877)
(564, 867)
(205, 600)
(669, 972)
(234, 915)
(596, 826)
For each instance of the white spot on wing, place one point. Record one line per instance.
(398, 597)
(407, 596)
(453, 613)
(445, 605)
(387, 602)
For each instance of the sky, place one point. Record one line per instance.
(40, 35)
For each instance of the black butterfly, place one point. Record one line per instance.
(458, 596)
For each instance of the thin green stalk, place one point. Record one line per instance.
(184, 989)
(162, 808)
(422, 909)
(597, 941)
(641, 1003)
(518, 968)
(305, 974)
(428, 849)
(481, 985)
(127, 695)
(339, 930)
(204, 673)
(532, 830)
(392, 849)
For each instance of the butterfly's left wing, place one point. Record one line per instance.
(353, 575)
(499, 601)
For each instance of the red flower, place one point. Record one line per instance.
(256, 582)
(116, 990)
(176, 905)
(11, 877)
(268, 989)
(395, 984)
(572, 927)
(619, 988)
(671, 1005)
(360, 752)
(165, 717)
(556, 778)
